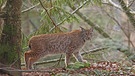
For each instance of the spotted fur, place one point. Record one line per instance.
(69, 43)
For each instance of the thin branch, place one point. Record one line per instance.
(96, 27)
(131, 3)
(10, 71)
(94, 50)
(30, 8)
(114, 4)
(59, 60)
(127, 11)
(70, 14)
(62, 59)
(55, 26)
(45, 62)
(119, 26)
(34, 26)
(119, 7)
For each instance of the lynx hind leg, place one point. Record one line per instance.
(78, 57)
(26, 55)
(30, 58)
(67, 59)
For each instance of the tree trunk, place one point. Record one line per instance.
(10, 44)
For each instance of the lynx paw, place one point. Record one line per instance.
(85, 61)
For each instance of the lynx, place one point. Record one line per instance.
(69, 43)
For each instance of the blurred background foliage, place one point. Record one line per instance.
(113, 21)
(42, 17)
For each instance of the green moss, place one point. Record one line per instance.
(7, 54)
(8, 48)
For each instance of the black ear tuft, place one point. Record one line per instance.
(29, 46)
(91, 29)
(82, 28)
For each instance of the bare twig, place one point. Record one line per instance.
(34, 26)
(70, 14)
(55, 26)
(127, 11)
(96, 27)
(59, 60)
(62, 59)
(30, 8)
(114, 4)
(45, 62)
(30, 70)
(11, 71)
(131, 3)
(129, 41)
(119, 26)
(119, 7)
(94, 50)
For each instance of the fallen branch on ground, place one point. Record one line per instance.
(62, 59)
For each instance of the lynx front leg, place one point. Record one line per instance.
(78, 57)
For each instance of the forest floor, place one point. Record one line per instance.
(103, 68)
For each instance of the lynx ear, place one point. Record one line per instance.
(82, 28)
(91, 29)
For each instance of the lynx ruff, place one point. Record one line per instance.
(69, 43)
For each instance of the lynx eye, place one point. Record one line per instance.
(88, 33)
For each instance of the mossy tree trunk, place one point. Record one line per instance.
(10, 43)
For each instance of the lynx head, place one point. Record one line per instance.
(86, 34)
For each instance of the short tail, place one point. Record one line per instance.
(29, 46)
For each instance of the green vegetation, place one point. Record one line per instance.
(113, 23)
